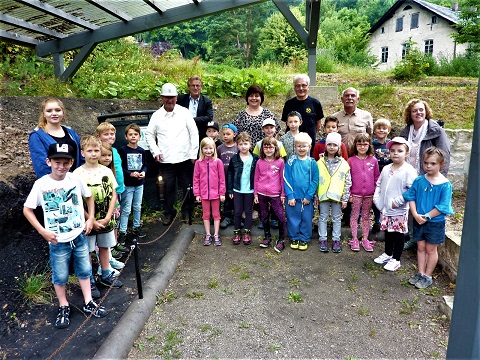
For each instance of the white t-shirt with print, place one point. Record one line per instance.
(62, 204)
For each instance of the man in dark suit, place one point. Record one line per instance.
(199, 105)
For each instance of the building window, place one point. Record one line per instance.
(399, 26)
(382, 30)
(384, 54)
(414, 21)
(428, 47)
(404, 50)
(434, 19)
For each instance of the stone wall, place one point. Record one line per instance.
(460, 148)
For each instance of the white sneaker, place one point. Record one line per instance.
(392, 265)
(116, 264)
(382, 259)
(115, 272)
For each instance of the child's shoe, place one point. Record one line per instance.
(367, 245)
(118, 265)
(382, 259)
(336, 248)
(216, 240)
(424, 282)
(392, 265)
(92, 307)
(246, 237)
(354, 244)
(415, 278)
(303, 245)
(266, 242)
(63, 317)
(279, 246)
(294, 244)
(237, 239)
(208, 240)
(323, 246)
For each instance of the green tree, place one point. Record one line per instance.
(233, 35)
(188, 37)
(344, 33)
(373, 10)
(279, 43)
(469, 26)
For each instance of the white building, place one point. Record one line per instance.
(427, 24)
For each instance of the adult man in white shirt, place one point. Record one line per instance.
(172, 137)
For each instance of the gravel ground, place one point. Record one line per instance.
(237, 302)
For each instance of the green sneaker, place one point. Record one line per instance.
(303, 245)
(294, 244)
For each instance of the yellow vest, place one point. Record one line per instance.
(330, 187)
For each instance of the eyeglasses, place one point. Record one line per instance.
(268, 146)
(303, 86)
(362, 145)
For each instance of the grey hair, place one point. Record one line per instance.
(351, 88)
(301, 77)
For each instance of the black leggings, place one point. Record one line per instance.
(394, 244)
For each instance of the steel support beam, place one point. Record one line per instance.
(141, 24)
(49, 9)
(10, 20)
(109, 9)
(464, 338)
(77, 61)
(292, 20)
(18, 39)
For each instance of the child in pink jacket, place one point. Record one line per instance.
(365, 173)
(209, 188)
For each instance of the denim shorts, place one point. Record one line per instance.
(60, 254)
(431, 232)
(105, 240)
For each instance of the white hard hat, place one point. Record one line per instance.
(169, 89)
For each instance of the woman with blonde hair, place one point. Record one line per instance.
(50, 131)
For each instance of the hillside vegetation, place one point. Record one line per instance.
(121, 69)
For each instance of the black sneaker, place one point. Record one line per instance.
(116, 254)
(120, 247)
(111, 280)
(90, 308)
(139, 233)
(95, 291)
(122, 237)
(63, 317)
(279, 246)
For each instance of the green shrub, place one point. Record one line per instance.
(326, 62)
(413, 66)
(36, 287)
(463, 66)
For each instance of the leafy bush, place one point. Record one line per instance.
(326, 61)
(465, 65)
(413, 66)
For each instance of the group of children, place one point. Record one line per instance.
(110, 182)
(277, 176)
(285, 182)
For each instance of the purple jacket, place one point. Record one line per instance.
(209, 179)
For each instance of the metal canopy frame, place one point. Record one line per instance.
(54, 27)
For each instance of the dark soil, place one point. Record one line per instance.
(28, 332)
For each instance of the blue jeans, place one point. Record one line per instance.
(60, 254)
(299, 221)
(131, 199)
(336, 220)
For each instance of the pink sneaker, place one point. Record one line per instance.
(354, 245)
(367, 245)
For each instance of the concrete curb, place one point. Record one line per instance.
(119, 343)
